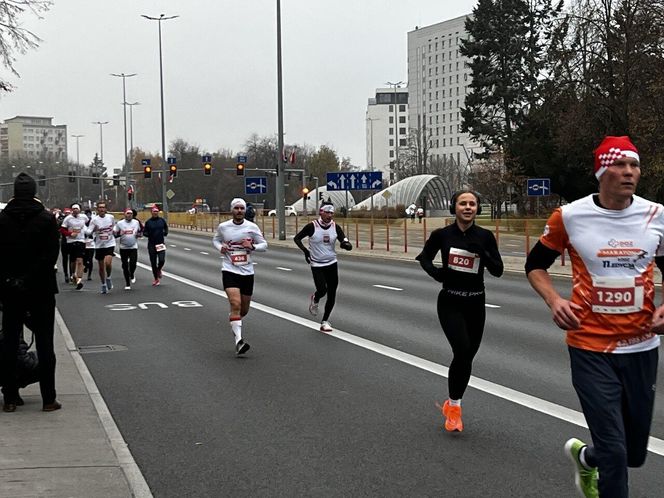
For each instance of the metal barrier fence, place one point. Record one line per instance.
(515, 237)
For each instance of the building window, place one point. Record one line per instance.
(402, 119)
(458, 140)
(402, 131)
(391, 142)
(402, 108)
(391, 132)
(391, 153)
(457, 91)
(444, 142)
(402, 142)
(465, 76)
(390, 108)
(391, 119)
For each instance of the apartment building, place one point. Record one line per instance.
(386, 130)
(33, 137)
(438, 79)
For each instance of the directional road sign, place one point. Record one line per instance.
(206, 159)
(355, 180)
(255, 185)
(172, 160)
(242, 159)
(539, 186)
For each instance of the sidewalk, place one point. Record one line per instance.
(73, 452)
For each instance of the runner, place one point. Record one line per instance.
(466, 250)
(73, 228)
(128, 230)
(236, 239)
(156, 229)
(322, 256)
(101, 226)
(614, 240)
(88, 256)
(64, 246)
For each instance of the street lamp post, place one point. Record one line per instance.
(281, 188)
(101, 154)
(396, 121)
(162, 17)
(371, 149)
(124, 106)
(78, 170)
(131, 128)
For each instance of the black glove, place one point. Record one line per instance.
(307, 256)
(346, 245)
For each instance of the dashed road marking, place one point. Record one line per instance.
(387, 287)
(206, 253)
(187, 249)
(284, 269)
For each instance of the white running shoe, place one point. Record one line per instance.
(109, 283)
(133, 280)
(127, 287)
(313, 305)
(325, 327)
(104, 289)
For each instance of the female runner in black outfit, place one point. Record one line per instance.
(466, 249)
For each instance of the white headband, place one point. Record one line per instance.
(238, 202)
(327, 208)
(76, 206)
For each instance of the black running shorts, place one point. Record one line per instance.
(76, 250)
(243, 282)
(101, 253)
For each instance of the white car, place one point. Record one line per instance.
(289, 210)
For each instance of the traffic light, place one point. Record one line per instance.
(173, 170)
(305, 191)
(207, 169)
(147, 171)
(71, 177)
(239, 169)
(42, 181)
(116, 180)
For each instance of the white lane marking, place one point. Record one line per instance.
(187, 249)
(284, 269)
(172, 245)
(206, 253)
(387, 287)
(655, 445)
(487, 305)
(132, 472)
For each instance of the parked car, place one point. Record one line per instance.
(289, 210)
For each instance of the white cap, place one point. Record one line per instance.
(238, 202)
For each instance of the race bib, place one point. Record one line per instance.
(464, 261)
(129, 231)
(617, 295)
(239, 258)
(160, 247)
(104, 237)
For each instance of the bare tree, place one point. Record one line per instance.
(13, 37)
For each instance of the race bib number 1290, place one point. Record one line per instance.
(617, 295)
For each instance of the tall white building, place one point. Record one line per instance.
(438, 79)
(386, 129)
(33, 137)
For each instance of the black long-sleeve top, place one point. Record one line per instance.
(451, 240)
(155, 229)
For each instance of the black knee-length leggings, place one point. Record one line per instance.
(462, 319)
(326, 279)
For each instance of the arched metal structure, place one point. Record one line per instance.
(338, 198)
(430, 190)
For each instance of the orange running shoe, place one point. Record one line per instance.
(452, 416)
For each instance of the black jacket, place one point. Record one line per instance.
(29, 247)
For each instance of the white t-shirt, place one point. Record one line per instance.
(128, 233)
(76, 225)
(322, 245)
(238, 259)
(104, 231)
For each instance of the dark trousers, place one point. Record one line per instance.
(617, 394)
(129, 258)
(87, 261)
(64, 252)
(42, 318)
(462, 320)
(326, 280)
(157, 260)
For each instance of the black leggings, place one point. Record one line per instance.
(157, 260)
(129, 258)
(462, 319)
(326, 279)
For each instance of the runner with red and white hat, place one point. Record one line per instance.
(128, 231)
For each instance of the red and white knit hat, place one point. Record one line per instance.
(613, 148)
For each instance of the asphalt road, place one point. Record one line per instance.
(344, 414)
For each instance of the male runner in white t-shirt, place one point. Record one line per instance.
(236, 239)
(101, 226)
(73, 227)
(128, 230)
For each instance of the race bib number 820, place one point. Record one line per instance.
(461, 260)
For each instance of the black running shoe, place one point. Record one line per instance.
(241, 347)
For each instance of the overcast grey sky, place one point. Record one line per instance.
(219, 69)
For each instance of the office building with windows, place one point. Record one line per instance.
(386, 129)
(33, 137)
(438, 79)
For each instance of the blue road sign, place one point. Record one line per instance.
(206, 159)
(172, 160)
(242, 159)
(355, 180)
(539, 186)
(255, 185)
(145, 162)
